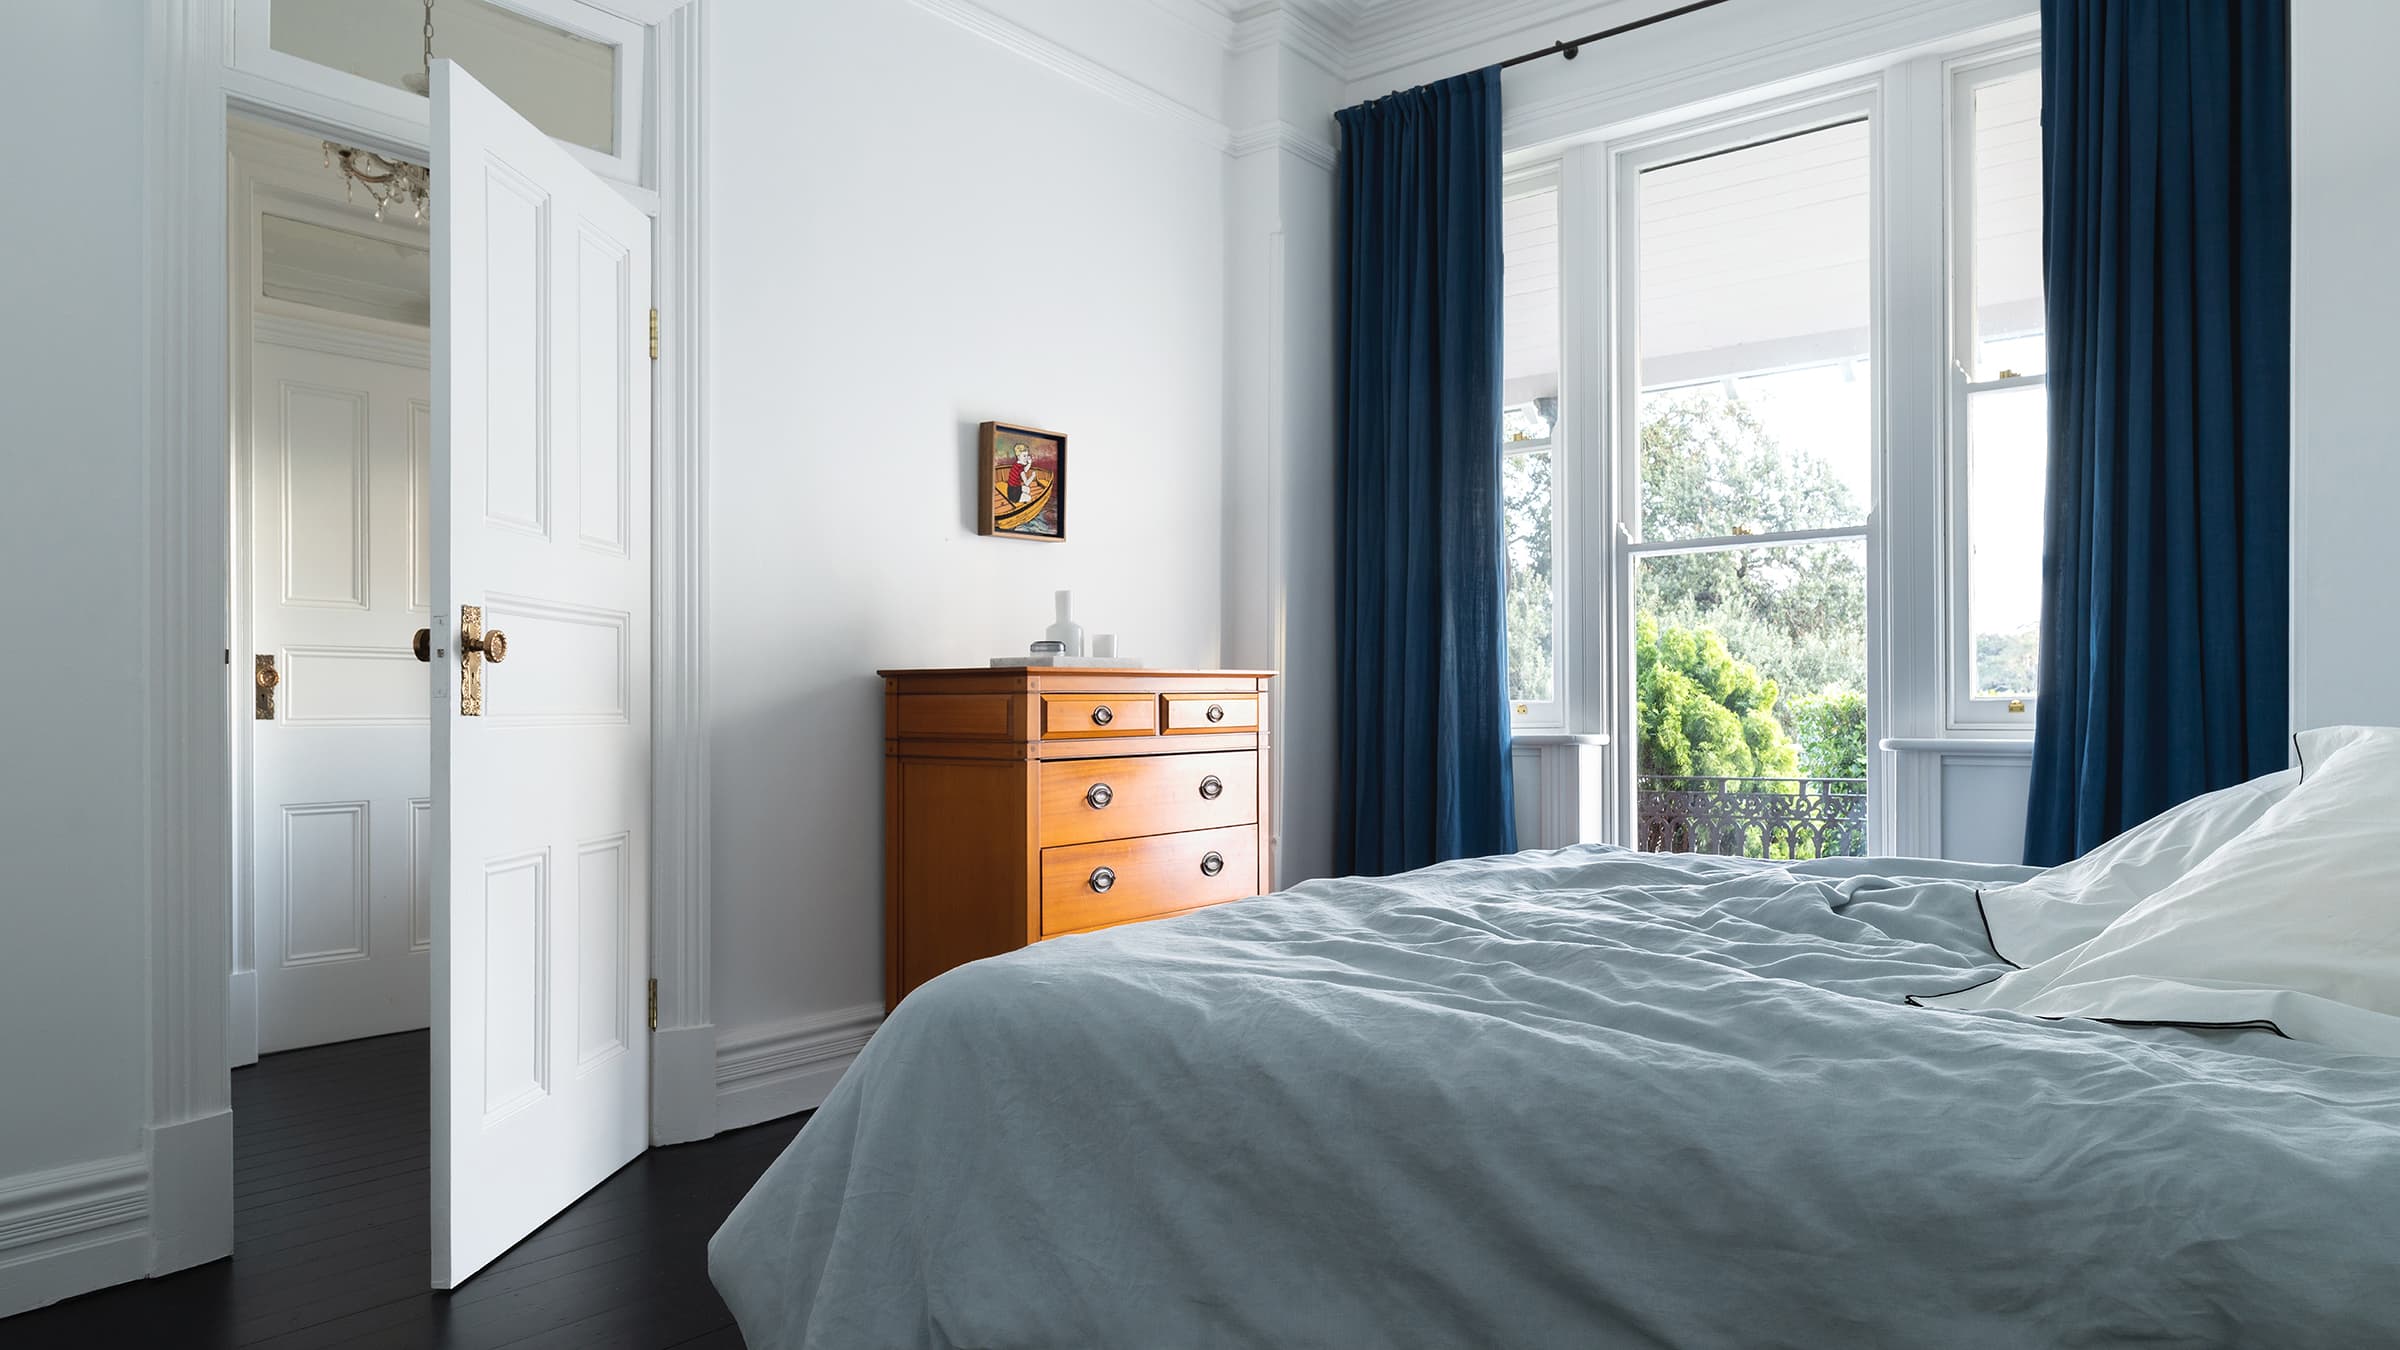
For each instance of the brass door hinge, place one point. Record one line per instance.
(654, 1004)
(654, 333)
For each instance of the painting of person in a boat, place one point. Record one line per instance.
(1028, 487)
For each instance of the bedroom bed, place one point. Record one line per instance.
(1589, 1097)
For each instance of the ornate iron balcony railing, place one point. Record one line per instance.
(1781, 818)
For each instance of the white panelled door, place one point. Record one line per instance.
(541, 520)
(339, 580)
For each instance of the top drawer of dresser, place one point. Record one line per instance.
(1187, 713)
(1070, 716)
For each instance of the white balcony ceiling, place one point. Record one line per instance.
(1758, 259)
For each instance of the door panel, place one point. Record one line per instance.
(341, 774)
(540, 472)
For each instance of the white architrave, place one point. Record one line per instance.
(683, 1054)
(187, 806)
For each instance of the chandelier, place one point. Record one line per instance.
(386, 180)
(389, 180)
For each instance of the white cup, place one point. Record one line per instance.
(1104, 644)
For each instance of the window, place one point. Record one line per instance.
(1999, 421)
(1529, 462)
(1750, 478)
(1775, 453)
(562, 82)
(574, 68)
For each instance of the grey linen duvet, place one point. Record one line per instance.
(1582, 1098)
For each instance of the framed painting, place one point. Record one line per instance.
(1024, 482)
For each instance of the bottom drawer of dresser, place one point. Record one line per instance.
(1121, 880)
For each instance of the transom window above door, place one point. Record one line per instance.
(572, 70)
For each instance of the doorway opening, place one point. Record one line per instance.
(330, 300)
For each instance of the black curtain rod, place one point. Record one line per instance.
(1574, 46)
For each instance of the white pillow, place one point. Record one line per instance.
(2294, 924)
(2067, 906)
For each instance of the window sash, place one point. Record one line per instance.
(1964, 708)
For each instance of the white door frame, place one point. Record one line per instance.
(186, 376)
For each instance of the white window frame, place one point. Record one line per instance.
(1748, 125)
(402, 117)
(1549, 715)
(1962, 77)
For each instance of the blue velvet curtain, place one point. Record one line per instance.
(1424, 641)
(2166, 224)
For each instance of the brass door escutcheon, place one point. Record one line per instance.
(474, 648)
(267, 680)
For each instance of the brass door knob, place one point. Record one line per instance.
(422, 644)
(1101, 716)
(1216, 712)
(1211, 788)
(1099, 796)
(1212, 863)
(267, 677)
(1103, 878)
(493, 645)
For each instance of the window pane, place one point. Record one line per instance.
(1532, 628)
(1757, 407)
(1529, 304)
(564, 83)
(2007, 461)
(1750, 675)
(2007, 196)
(1529, 359)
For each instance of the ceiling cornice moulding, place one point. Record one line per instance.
(1024, 42)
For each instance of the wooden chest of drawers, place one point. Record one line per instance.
(1020, 804)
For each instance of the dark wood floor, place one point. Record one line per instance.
(332, 1244)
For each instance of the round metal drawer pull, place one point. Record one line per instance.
(1099, 796)
(1212, 787)
(1101, 716)
(1103, 878)
(1216, 712)
(1212, 863)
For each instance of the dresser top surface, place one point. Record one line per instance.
(1021, 673)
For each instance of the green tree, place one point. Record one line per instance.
(1701, 712)
(2007, 663)
(1795, 613)
(1831, 728)
(1525, 500)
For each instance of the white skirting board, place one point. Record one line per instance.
(775, 1070)
(191, 1192)
(241, 1018)
(74, 1229)
(683, 1084)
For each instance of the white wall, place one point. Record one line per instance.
(916, 228)
(74, 544)
(2345, 449)
(1282, 527)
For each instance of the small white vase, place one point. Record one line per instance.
(1066, 631)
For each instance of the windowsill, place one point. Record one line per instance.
(1994, 747)
(1541, 738)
